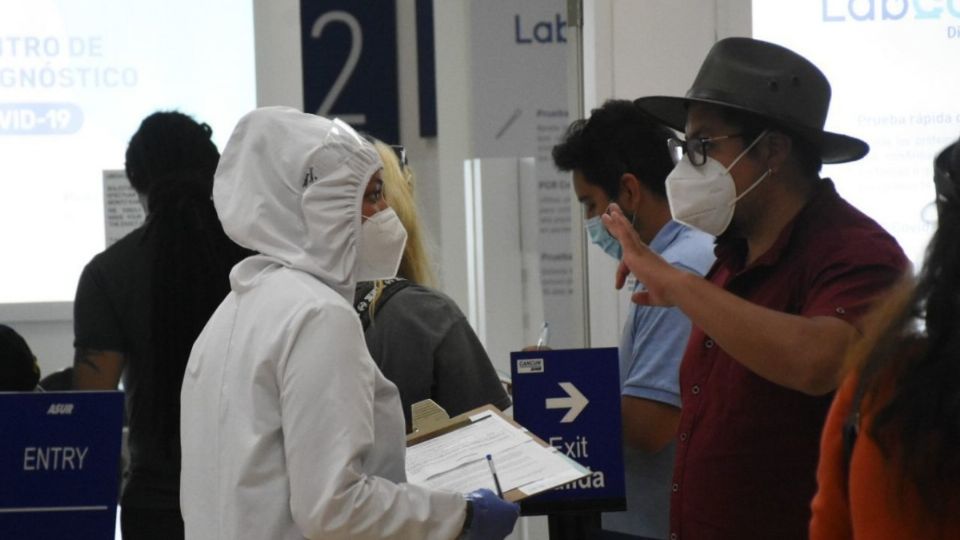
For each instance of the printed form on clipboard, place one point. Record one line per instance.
(453, 457)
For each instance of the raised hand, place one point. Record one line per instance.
(649, 268)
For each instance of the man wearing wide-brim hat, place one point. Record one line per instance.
(797, 267)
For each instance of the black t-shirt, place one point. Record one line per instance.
(111, 312)
(423, 343)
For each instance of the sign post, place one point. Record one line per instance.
(571, 399)
(59, 464)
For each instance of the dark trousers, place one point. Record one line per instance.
(150, 524)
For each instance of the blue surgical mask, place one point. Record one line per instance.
(601, 238)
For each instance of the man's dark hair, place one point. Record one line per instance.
(18, 367)
(752, 125)
(617, 139)
(58, 381)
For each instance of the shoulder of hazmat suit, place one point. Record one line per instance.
(288, 428)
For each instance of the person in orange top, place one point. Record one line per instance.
(890, 453)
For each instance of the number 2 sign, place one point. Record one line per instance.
(350, 63)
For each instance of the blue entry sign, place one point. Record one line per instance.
(350, 64)
(571, 400)
(59, 464)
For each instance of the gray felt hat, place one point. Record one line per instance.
(769, 81)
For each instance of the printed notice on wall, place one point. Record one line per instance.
(122, 212)
(891, 66)
(555, 212)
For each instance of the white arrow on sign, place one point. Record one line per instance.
(576, 402)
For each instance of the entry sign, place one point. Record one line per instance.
(571, 400)
(59, 464)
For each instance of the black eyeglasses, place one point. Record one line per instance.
(695, 149)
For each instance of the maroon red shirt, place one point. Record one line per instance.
(747, 450)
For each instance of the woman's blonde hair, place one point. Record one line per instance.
(398, 190)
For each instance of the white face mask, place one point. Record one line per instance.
(705, 197)
(382, 239)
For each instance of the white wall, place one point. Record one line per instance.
(451, 35)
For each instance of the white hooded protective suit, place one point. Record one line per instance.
(288, 428)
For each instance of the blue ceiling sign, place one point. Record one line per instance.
(350, 64)
(571, 400)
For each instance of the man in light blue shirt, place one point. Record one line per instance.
(620, 155)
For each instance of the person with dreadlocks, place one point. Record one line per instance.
(142, 302)
(889, 461)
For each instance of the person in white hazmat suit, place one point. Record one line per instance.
(288, 428)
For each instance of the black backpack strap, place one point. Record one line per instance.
(367, 291)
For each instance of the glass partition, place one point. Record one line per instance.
(522, 226)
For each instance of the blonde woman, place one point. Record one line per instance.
(417, 335)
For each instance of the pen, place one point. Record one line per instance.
(544, 335)
(493, 471)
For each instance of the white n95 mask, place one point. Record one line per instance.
(382, 239)
(705, 197)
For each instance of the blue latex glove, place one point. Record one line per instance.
(493, 517)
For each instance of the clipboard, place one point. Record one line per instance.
(438, 425)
